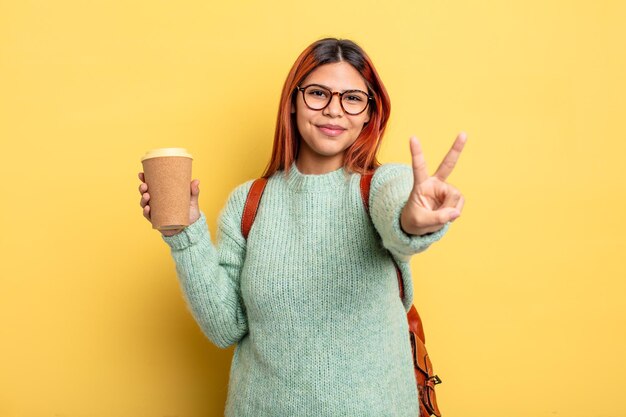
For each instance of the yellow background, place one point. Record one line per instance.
(523, 298)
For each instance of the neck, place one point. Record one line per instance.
(315, 165)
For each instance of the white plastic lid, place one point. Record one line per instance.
(159, 152)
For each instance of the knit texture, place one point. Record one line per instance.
(311, 298)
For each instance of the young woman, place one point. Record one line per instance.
(311, 296)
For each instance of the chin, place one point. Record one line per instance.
(329, 152)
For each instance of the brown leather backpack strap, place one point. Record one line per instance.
(252, 204)
(415, 323)
(366, 182)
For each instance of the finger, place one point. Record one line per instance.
(195, 188)
(146, 212)
(420, 173)
(452, 197)
(460, 204)
(433, 219)
(448, 163)
(145, 197)
(143, 187)
(141, 177)
(449, 214)
(195, 191)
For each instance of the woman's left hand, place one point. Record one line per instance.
(432, 202)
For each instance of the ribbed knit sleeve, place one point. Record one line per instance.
(389, 192)
(210, 275)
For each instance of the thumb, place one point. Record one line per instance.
(439, 217)
(195, 189)
(450, 214)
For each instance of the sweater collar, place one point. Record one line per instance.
(298, 181)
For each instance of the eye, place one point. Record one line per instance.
(316, 92)
(354, 98)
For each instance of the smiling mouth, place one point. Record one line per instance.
(330, 130)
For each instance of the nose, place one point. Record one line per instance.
(334, 108)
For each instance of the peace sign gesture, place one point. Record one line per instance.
(432, 202)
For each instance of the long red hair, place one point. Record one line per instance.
(361, 155)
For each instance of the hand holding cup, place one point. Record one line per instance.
(194, 210)
(172, 203)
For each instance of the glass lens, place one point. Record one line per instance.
(354, 102)
(316, 97)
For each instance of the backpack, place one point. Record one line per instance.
(423, 368)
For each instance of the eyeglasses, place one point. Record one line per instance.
(317, 97)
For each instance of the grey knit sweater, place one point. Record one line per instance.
(311, 298)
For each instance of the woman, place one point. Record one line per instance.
(311, 297)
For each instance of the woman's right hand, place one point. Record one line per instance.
(194, 210)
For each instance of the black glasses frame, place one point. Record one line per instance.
(332, 94)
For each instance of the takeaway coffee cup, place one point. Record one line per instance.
(167, 171)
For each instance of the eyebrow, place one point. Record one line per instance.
(348, 89)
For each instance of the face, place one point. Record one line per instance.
(327, 133)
